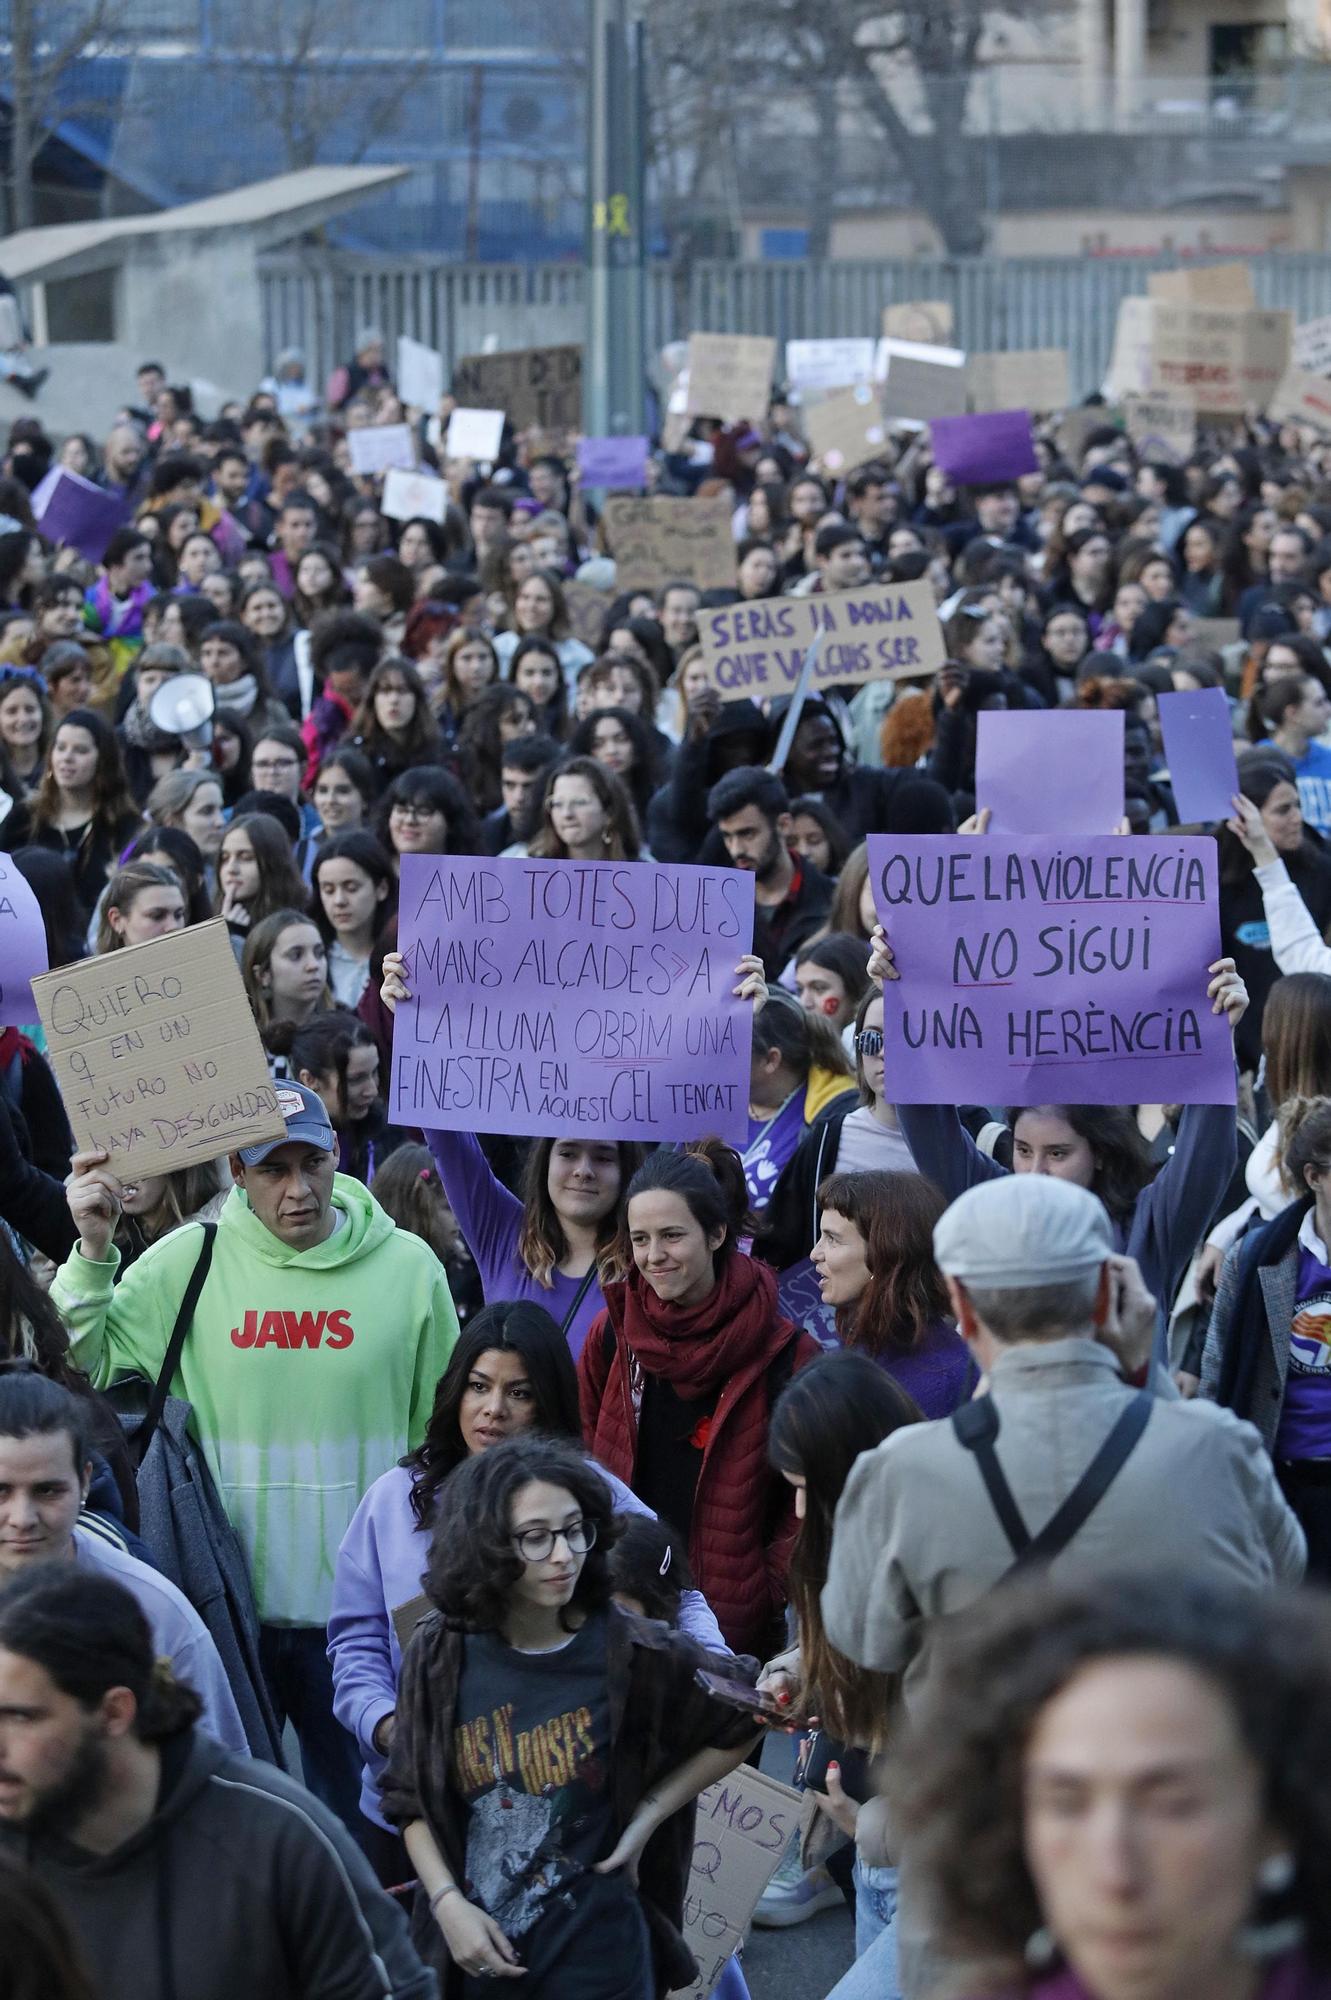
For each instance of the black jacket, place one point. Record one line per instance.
(677, 812)
(241, 1883)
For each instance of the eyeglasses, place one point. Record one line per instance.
(869, 1042)
(535, 1544)
(413, 813)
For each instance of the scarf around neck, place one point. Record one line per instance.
(699, 1348)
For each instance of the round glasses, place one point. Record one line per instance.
(535, 1544)
(869, 1042)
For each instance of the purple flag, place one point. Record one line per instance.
(992, 444)
(70, 509)
(588, 998)
(22, 946)
(1199, 749)
(1039, 971)
(1050, 770)
(613, 461)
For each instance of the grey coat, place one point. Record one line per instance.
(916, 1537)
(1279, 1283)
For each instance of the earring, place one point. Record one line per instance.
(1041, 1949)
(1271, 1931)
(605, 838)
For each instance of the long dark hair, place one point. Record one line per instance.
(185, 858)
(640, 779)
(112, 801)
(542, 1243)
(30, 1327)
(41, 1960)
(88, 1634)
(473, 1563)
(369, 854)
(905, 1296)
(1123, 1166)
(827, 1415)
(422, 742)
(513, 1326)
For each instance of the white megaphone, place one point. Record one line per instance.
(183, 707)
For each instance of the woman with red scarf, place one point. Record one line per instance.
(678, 1377)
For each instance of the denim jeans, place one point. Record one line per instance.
(874, 1973)
(300, 1686)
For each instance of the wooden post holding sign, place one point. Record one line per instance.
(532, 385)
(157, 1055)
(887, 632)
(663, 540)
(742, 1828)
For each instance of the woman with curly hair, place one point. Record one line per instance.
(510, 1375)
(1119, 1788)
(586, 815)
(549, 1745)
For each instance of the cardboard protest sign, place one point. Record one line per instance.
(532, 385)
(1074, 427)
(1302, 398)
(1312, 346)
(1160, 429)
(420, 373)
(22, 946)
(887, 631)
(992, 444)
(375, 448)
(1205, 285)
(1037, 970)
(1034, 378)
(412, 496)
(68, 508)
(664, 540)
(828, 364)
(921, 319)
(846, 430)
(1214, 358)
(1203, 773)
(920, 381)
(613, 461)
(742, 1827)
(1078, 754)
(730, 376)
(474, 434)
(156, 1053)
(573, 997)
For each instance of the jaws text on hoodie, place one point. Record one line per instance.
(294, 1329)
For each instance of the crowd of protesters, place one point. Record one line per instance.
(373, 1499)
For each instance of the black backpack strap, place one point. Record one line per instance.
(588, 1281)
(142, 1435)
(976, 1426)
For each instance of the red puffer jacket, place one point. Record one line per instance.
(737, 1342)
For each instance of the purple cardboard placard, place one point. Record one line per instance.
(620, 462)
(1199, 750)
(70, 509)
(1050, 770)
(592, 999)
(991, 444)
(22, 946)
(1042, 971)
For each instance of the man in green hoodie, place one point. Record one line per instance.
(311, 1363)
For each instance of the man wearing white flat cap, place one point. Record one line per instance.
(1065, 1460)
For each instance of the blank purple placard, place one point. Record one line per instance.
(620, 462)
(1199, 750)
(1055, 771)
(991, 444)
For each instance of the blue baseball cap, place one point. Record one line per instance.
(307, 1123)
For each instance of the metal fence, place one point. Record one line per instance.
(315, 300)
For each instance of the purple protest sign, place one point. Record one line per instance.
(70, 509)
(1038, 971)
(1050, 770)
(583, 998)
(1199, 750)
(991, 444)
(22, 946)
(613, 461)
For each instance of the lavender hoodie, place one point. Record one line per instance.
(490, 1219)
(379, 1567)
